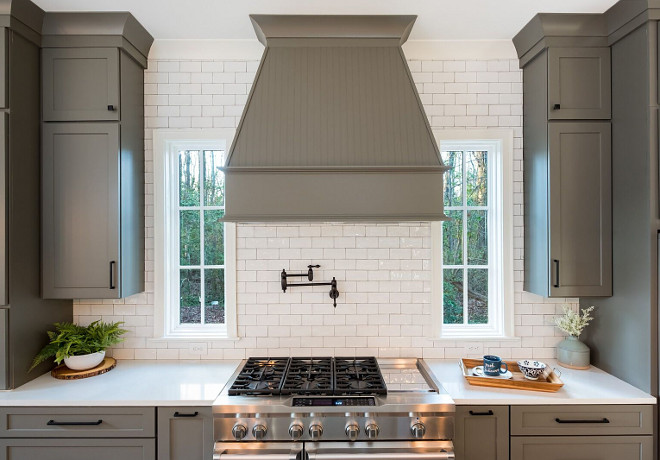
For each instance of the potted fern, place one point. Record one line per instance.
(80, 347)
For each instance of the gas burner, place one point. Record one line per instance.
(260, 376)
(309, 376)
(358, 376)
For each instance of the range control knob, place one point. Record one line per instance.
(315, 431)
(239, 431)
(372, 430)
(296, 431)
(352, 431)
(418, 430)
(259, 432)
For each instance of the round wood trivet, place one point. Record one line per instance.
(64, 373)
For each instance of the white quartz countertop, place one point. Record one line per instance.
(198, 383)
(131, 383)
(592, 386)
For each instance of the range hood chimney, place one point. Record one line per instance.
(333, 129)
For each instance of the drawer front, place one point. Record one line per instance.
(77, 449)
(582, 448)
(581, 420)
(64, 422)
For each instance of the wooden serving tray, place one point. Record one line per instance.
(548, 382)
(64, 373)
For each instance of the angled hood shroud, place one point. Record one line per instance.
(333, 129)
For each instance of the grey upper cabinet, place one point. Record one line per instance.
(579, 83)
(567, 155)
(482, 433)
(80, 84)
(185, 433)
(81, 236)
(93, 155)
(580, 195)
(3, 69)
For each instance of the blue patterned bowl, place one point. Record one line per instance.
(531, 369)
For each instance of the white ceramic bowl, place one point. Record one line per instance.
(84, 362)
(531, 369)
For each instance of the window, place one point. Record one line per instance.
(473, 269)
(194, 249)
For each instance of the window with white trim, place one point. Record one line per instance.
(475, 272)
(195, 249)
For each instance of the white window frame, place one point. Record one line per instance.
(166, 145)
(500, 238)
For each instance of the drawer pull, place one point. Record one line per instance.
(488, 412)
(53, 422)
(179, 414)
(602, 420)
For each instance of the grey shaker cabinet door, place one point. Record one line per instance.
(582, 448)
(80, 221)
(4, 208)
(580, 209)
(185, 433)
(77, 449)
(4, 348)
(80, 84)
(579, 84)
(482, 433)
(4, 67)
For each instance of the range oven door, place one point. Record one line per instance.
(380, 450)
(258, 450)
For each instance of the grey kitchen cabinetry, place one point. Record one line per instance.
(25, 315)
(80, 84)
(579, 83)
(582, 447)
(93, 155)
(185, 433)
(77, 449)
(77, 422)
(482, 433)
(567, 164)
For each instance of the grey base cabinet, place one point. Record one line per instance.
(582, 448)
(185, 433)
(77, 449)
(482, 433)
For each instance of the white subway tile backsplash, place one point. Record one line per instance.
(383, 270)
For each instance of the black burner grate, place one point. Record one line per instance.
(358, 376)
(260, 376)
(309, 376)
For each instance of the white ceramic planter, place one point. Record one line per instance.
(84, 362)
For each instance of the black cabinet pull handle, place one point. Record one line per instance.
(179, 414)
(488, 412)
(556, 107)
(602, 420)
(53, 422)
(112, 108)
(556, 283)
(112, 274)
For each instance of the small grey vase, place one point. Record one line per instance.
(573, 354)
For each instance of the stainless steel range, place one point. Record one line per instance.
(333, 408)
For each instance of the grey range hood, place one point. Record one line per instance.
(333, 129)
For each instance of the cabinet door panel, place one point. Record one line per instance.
(4, 199)
(185, 433)
(579, 83)
(77, 449)
(580, 209)
(582, 448)
(482, 433)
(80, 84)
(81, 210)
(4, 100)
(4, 348)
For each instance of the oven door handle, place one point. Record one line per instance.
(443, 455)
(254, 456)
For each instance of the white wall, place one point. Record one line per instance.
(384, 270)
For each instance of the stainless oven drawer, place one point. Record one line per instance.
(257, 450)
(381, 450)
